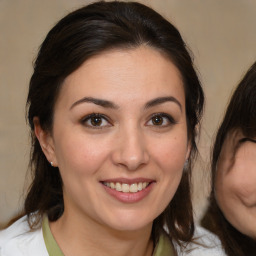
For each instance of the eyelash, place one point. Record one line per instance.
(95, 115)
(170, 119)
(103, 118)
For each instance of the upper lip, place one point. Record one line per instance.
(128, 181)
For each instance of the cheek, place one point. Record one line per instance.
(222, 190)
(239, 183)
(82, 156)
(169, 157)
(170, 153)
(236, 180)
(244, 184)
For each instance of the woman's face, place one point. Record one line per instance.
(120, 138)
(236, 183)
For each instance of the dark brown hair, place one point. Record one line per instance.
(84, 33)
(240, 115)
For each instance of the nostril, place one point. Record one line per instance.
(130, 151)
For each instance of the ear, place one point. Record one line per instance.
(46, 142)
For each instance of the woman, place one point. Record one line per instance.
(232, 213)
(113, 106)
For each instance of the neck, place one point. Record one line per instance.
(76, 235)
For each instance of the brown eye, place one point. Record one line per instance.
(161, 120)
(157, 120)
(96, 121)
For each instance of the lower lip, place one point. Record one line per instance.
(129, 197)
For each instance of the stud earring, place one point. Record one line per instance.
(186, 165)
(52, 164)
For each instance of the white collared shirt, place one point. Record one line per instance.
(18, 240)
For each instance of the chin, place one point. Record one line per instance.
(131, 222)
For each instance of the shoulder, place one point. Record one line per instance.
(17, 228)
(19, 240)
(206, 238)
(205, 244)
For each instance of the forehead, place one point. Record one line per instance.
(134, 73)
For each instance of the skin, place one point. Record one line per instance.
(127, 144)
(236, 183)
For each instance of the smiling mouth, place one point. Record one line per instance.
(127, 188)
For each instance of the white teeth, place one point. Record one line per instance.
(126, 188)
(133, 188)
(118, 186)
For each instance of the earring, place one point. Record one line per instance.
(186, 165)
(52, 164)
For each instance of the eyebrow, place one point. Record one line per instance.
(99, 102)
(162, 100)
(109, 104)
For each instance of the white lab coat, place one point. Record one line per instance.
(18, 240)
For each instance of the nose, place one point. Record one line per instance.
(130, 150)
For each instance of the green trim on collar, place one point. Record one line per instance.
(50, 243)
(163, 248)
